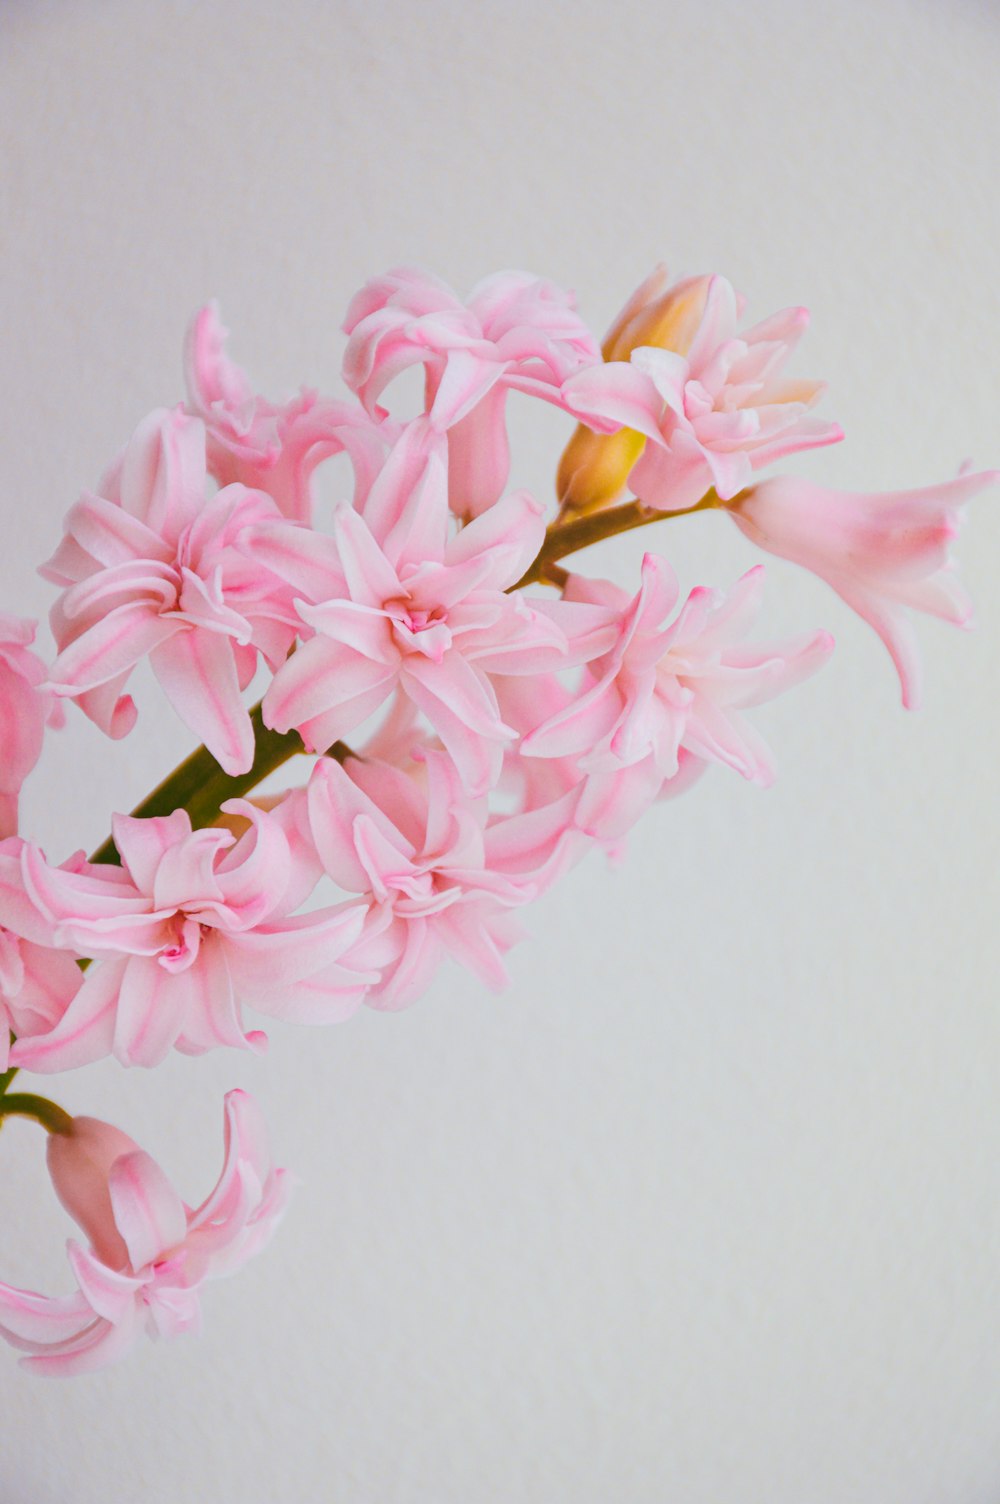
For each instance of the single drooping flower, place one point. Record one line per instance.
(273, 447)
(147, 1253)
(400, 601)
(152, 568)
(667, 687)
(515, 333)
(884, 553)
(25, 710)
(706, 411)
(192, 925)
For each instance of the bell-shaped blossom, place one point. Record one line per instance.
(25, 710)
(152, 568)
(713, 411)
(147, 1252)
(437, 880)
(268, 446)
(402, 601)
(516, 332)
(884, 553)
(192, 925)
(668, 686)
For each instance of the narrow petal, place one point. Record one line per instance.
(198, 674)
(110, 647)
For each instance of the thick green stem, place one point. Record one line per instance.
(24, 1104)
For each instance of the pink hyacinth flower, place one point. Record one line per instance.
(599, 808)
(25, 710)
(673, 687)
(883, 553)
(417, 852)
(517, 332)
(273, 447)
(402, 602)
(714, 412)
(192, 925)
(151, 568)
(148, 1253)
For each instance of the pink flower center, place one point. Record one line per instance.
(423, 892)
(184, 943)
(419, 629)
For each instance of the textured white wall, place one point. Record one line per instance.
(707, 1207)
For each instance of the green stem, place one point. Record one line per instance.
(8, 1076)
(565, 538)
(24, 1104)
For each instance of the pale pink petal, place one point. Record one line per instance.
(110, 535)
(478, 456)
(371, 579)
(148, 1212)
(149, 1015)
(86, 1030)
(512, 532)
(320, 678)
(142, 844)
(467, 379)
(34, 1322)
(162, 480)
(614, 395)
(197, 672)
(110, 1292)
(110, 648)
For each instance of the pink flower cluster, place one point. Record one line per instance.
(471, 738)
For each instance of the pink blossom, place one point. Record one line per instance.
(25, 710)
(667, 688)
(882, 553)
(517, 332)
(714, 408)
(191, 925)
(600, 808)
(437, 880)
(273, 447)
(148, 1253)
(152, 568)
(400, 602)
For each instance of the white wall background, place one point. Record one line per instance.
(707, 1207)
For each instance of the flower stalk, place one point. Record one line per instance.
(26, 1104)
